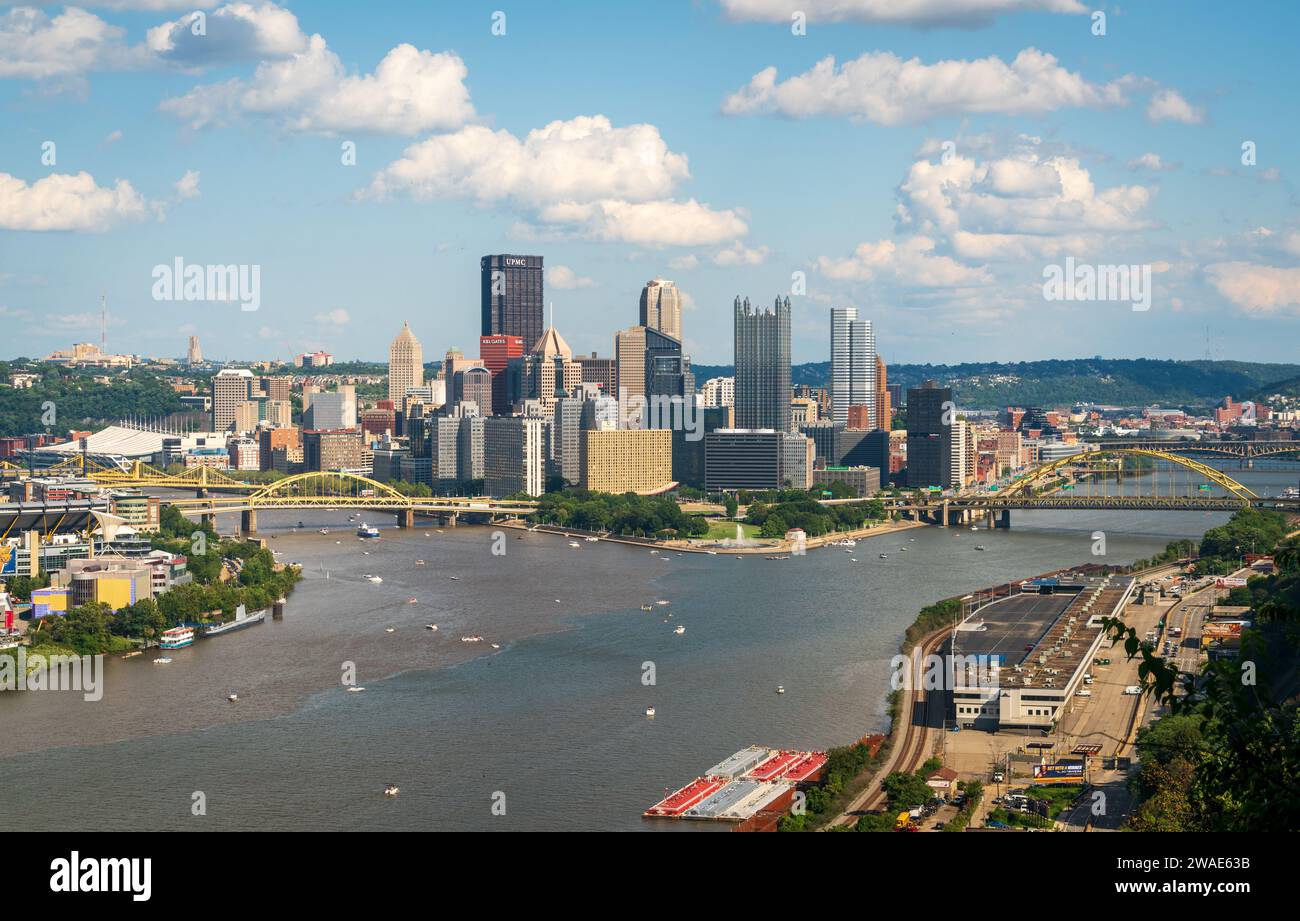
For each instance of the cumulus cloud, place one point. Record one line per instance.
(1169, 105)
(1015, 206)
(881, 87)
(912, 262)
(309, 91)
(925, 13)
(584, 177)
(187, 186)
(37, 46)
(236, 30)
(564, 278)
(1262, 289)
(68, 202)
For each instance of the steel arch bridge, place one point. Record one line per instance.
(1024, 487)
(1246, 450)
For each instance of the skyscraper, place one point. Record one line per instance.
(853, 364)
(512, 297)
(231, 388)
(884, 412)
(495, 352)
(661, 307)
(929, 436)
(405, 365)
(762, 348)
(194, 356)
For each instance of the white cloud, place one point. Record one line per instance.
(63, 201)
(187, 186)
(1152, 162)
(1016, 206)
(883, 88)
(336, 317)
(409, 91)
(911, 262)
(236, 30)
(739, 254)
(564, 278)
(1169, 105)
(583, 177)
(36, 46)
(962, 13)
(1263, 289)
(112, 137)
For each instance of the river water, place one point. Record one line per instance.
(552, 724)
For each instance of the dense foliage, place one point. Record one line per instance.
(775, 513)
(627, 514)
(80, 402)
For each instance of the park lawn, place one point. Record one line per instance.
(720, 528)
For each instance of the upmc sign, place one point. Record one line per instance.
(516, 261)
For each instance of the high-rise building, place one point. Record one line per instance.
(742, 459)
(474, 385)
(333, 451)
(405, 365)
(331, 411)
(762, 350)
(853, 364)
(231, 388)
(629, 355)
(495, 352)
(884, 408)
(627, 460)
(549, 371)
(797, 455)
(602, 371)
(929, 436)
(567, 437)
(512, 297)
(667, 370)
(277, 388)
(718, 391)
(661, 307)
(514, 455)
(194, 355)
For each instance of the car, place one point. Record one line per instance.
(998, 777)
(1133, 690)
(1083, 692)
(939, 826)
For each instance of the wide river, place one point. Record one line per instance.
(553, 723)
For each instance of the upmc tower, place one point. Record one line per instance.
(513, 297)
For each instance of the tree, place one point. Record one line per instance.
(84, 629)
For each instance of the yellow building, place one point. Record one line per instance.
(627, 460)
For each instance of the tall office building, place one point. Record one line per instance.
(231, 388)
(512, 297)
(602, 371)
(474, 385)
(629, 357)
(853, 364)
(884, 411)
(495, 352)
(661, 307)
(667, 370)
(514, 455)
(929, 439)
(333, 411)
(278, 388)
(762, 349)
(194, 356)
(405, 365)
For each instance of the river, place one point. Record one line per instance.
(552, 724)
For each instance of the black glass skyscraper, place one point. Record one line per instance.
(929, 436)
(513, 298)
(763, 366)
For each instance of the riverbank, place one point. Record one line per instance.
(712, 548)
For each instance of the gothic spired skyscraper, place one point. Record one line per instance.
(853, 364)
(763, 366)
(405, 366)
(512, 296)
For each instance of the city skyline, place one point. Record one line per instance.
(1056, 148)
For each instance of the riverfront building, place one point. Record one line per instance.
(762, 350)
(627, 460)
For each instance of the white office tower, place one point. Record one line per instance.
(853, 364)
(405, 365)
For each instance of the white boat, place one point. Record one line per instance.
(780, 688)
(163, 660)
(574, 543)
(646, 607)
(412, 600)
(454, 578)
(232, 697)
(853, 559)
(176, 638)
(391, 790)
(433, 627)
(374, 579)
(591, 540)
(419, 562)
(324, 530)
(365, 531)
(661, 602)
(883, 556)
(496, 645)
(241, 621)
(650, 712)
(679, 630)
(472, 638)
(355, 690)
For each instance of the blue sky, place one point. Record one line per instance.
(625, 142)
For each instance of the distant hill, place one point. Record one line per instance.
(1108, 381)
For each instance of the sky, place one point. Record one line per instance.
(934, 163)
